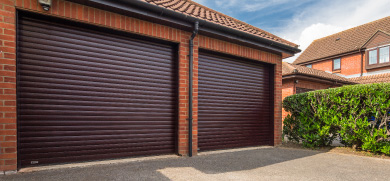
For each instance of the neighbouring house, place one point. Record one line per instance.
(89, 80)
(299, 79)
(361, 53)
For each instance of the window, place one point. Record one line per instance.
(309, 66)
(337, 64)
(383, 54)
(379, 55)
(372, 57)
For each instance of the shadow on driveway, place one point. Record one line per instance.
(151, 170)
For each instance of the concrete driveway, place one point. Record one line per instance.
(263, 163)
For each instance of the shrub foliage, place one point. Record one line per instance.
(358, 114)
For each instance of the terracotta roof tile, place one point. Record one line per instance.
(190, 9)
(184, 7)
(219, 19)
(290, 69)
(379, 78)
(343, 42)
(196, 10)
(178, 5)
(170, 4)
(202, 13)
(199, 11)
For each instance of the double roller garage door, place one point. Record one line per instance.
(89, 95)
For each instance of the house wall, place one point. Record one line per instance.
(325, 65)
(85, 14)
(350, 65)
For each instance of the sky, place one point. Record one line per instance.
(302, 21)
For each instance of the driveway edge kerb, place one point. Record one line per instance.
(336, 153)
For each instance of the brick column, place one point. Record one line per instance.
(195, 98)
(278, 103)
(8, 161)
(183, 93)
(288, 90)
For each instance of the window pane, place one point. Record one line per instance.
(336, 64)
(372, 56)
(309, 66)
(384, 54)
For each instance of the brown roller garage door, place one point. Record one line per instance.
(234, 103)
(88, 95)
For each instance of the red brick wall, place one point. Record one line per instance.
(8, 86)
(287, 90)
(325, 65)
(350, 65)
(81, 13)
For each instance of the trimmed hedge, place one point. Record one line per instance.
(358, 114)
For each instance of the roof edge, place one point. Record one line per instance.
(220, 13)
(151, 9)
(302, 75)
(210, 24)
(289, 65)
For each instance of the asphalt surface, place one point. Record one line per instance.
(255, 164)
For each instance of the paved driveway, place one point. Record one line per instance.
(248, 164)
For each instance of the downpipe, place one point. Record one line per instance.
(191, 59)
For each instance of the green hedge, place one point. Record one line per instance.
(359, 114)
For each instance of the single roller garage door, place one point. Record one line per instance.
(88, 95)
(234, 103)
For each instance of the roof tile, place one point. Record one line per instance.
(178, 5)
(290, 69)
(369, 79)
(191, 9)
(343, 42)
(184, 7)
(199, 11)
(196, 10)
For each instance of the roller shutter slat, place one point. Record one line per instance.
(234, 103)
(80, 63)
(93, 142)
(95, 103)
(29, 36)
(86, 35)
(58, 140)
(87, 95)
